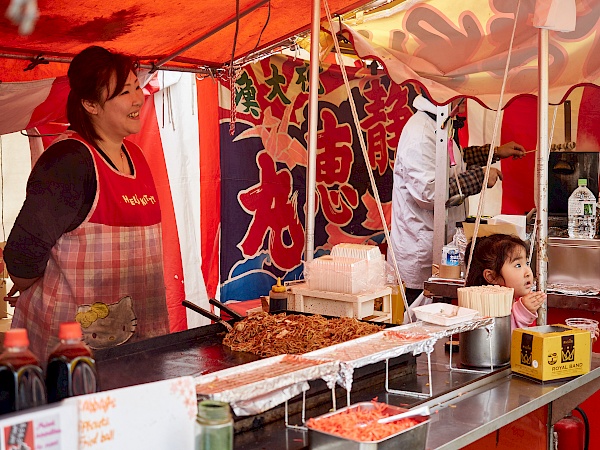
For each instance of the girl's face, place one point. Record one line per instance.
(516, 274)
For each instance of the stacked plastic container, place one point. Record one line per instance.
(349, 269)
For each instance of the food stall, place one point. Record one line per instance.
(468, 408)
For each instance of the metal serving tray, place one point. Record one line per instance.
(414, 438)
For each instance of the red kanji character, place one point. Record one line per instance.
(377, 94)
(397, 112)
(377, 147)
(273, 210)
(338, 204)
(334, 162)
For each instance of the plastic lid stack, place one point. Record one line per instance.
(349, 269)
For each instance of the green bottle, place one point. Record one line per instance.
(214, 426)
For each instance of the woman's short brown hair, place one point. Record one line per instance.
(90, 75)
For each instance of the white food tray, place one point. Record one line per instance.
(444, 314)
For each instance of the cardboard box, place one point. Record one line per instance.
(487, 229)
(550, 352)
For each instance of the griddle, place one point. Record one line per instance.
(192, 352)
(200, 351)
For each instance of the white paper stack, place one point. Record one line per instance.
(520, 223)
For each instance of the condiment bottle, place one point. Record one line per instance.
(21, 377)
(278, 297)
(71, 366)
(214, 426)
(397, 303)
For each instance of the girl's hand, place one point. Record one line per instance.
(533, 301)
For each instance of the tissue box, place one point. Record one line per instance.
(550, 352)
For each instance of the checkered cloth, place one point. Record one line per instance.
(471, 180)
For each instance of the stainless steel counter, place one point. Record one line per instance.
(470, 413)
(466, 406)
(561, 301)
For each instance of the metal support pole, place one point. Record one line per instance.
(441, 185)
(313, 121)
(542, 172)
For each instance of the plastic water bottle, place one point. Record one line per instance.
(582, 212)
(450, 255)
(21, 377)
(71, 367)
(460, 241)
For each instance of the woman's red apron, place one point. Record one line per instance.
(107, 274)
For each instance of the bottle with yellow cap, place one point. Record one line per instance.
(278, 297)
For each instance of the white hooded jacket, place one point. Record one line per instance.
(413, 197)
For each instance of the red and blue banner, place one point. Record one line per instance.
(263, 168)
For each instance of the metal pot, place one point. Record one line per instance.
(475, 347)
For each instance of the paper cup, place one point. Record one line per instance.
(449, 271)
(585, 324)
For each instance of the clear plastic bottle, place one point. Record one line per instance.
(214, 426)
(582, 212)
(460, 241)
(21, 377)
(71, 366)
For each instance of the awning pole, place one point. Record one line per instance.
(440, 213)
(313, 121)
(542, 172)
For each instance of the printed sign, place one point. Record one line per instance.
(45, 428)
(157, 415)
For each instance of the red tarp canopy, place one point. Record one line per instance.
(200, 32)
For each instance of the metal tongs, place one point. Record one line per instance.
(209, 315)
(421, 411)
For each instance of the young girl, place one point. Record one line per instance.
(501, 259)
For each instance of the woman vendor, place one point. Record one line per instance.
(86, 245)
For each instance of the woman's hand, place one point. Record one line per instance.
(517, 151)
(533, 301)
(19, 285)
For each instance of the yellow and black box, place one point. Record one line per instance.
(550, 352)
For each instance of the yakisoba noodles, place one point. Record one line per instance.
(491, 301)
(271, 335)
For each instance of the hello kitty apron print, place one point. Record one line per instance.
(115, 253)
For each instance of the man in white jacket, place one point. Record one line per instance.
(414, 192)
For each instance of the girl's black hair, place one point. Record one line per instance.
(491, 252)
(90, 74)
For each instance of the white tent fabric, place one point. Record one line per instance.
(176, 108)
(456, 49)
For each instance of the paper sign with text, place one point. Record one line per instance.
(45, 428)
(158, 415)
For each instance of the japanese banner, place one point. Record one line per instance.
(263, 168)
